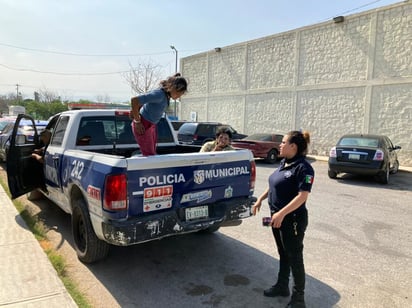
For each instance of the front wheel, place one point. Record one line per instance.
(272, 156)
(332, 174)
(88, 247)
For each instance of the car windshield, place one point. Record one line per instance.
(261, 137)
(359, 142)
(3, 124)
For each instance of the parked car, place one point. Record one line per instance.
(178, 123)
(264, 146)
(198, 133)
(5, 121)
(25, 128)
(364, 154)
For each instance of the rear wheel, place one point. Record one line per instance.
(383, 176)
(88, 247)
(395, 167)
(332, 174)
(272, 156)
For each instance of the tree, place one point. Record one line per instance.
(144, 77)
(47, 96)
(103, 98)
(42, 111)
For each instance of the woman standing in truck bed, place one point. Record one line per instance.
(148, 109)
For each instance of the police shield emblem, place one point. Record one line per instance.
(199, 176)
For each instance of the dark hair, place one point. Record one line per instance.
(223, 130)
(301, 139)
(176, 82)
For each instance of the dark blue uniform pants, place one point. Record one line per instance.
(289, 242)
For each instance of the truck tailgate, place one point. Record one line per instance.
(177, 181)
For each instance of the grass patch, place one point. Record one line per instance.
(40, 232)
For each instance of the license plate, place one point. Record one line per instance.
(354, 156)
(197, 212)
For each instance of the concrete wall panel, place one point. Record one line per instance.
(329, 78)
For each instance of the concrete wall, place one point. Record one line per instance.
(329, 78)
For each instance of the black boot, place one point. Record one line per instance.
(277, 290)
(297, 300)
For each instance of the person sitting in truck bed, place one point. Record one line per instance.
(222, 142)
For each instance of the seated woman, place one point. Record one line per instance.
(222, 142)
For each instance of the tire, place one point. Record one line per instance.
(88, 247)
(272, 156)
(332, 174)
(383, 176)
(35, 195)
(395, 167)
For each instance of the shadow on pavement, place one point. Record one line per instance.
(193, 270)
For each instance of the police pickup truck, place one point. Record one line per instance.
(93, 170)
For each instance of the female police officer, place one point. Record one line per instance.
(288, 190)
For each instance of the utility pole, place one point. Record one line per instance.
(175, 50)
(17, 92)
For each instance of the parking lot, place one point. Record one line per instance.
(357, 254)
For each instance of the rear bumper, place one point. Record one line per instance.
(355, 168)
(172, 222)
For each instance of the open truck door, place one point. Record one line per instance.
(24, 173)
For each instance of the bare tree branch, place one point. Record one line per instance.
(48, 96)
(143, 77)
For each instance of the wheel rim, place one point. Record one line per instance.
(80, 232)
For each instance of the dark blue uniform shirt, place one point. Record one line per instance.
(286, 182)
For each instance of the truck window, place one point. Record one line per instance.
(164, 133)
(59, 130)
(105, 130)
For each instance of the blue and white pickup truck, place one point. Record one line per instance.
(93, 170)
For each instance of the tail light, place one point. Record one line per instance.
(332, 152)
(378, 155)
(122, 113)
(252, 176)
(115, 192)
(195, 137)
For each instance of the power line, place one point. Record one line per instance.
(352, 10)
(361, 7)
(81, 54)
(62, 73)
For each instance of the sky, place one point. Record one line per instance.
(78, 49)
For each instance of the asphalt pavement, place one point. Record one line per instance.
(27, 278)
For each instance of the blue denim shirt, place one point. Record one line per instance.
(154, 104)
